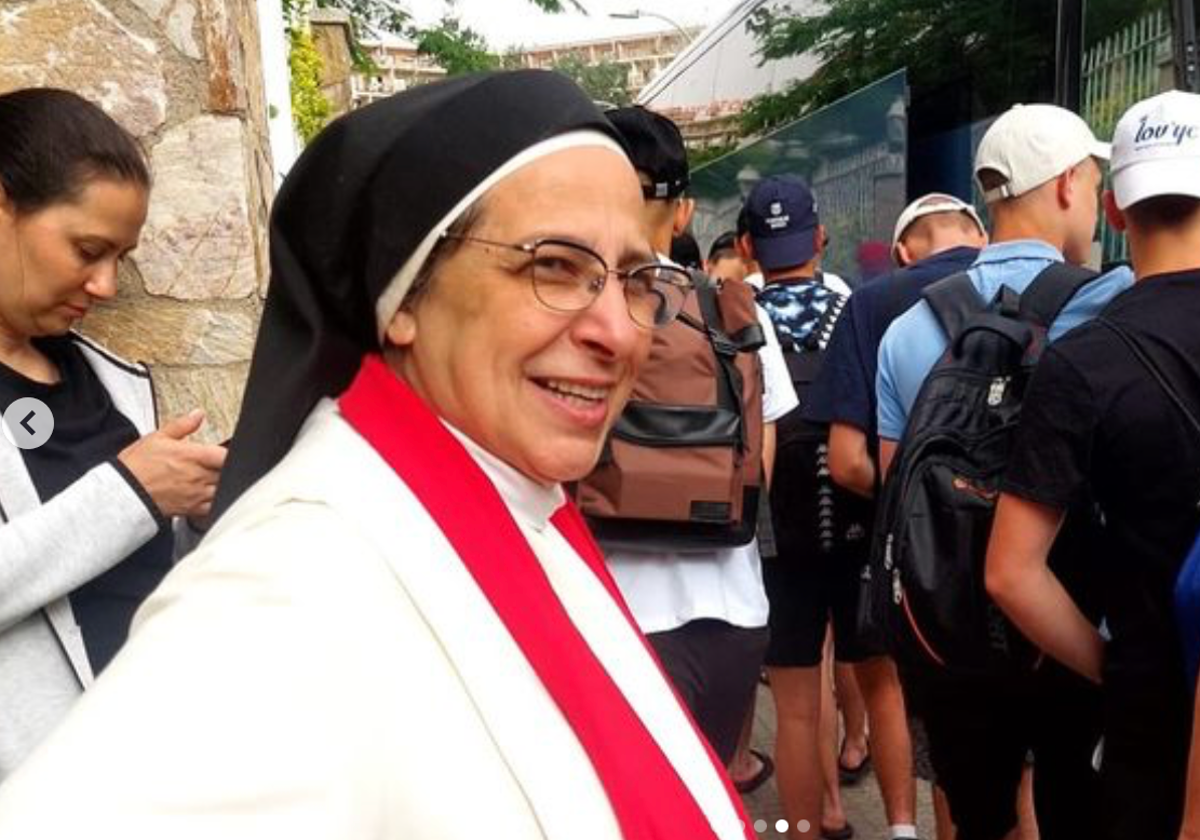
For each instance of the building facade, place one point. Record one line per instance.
(397, 66)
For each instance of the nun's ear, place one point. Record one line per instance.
(402, 329)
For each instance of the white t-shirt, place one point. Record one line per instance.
(666, 590)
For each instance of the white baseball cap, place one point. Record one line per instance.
(1030, 144)
(1156, 149)
(929, 204)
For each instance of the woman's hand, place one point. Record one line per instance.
(178, 474)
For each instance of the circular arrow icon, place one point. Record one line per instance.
(28, 423)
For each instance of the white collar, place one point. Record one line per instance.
(530, 502)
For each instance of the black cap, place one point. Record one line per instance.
(655, 148)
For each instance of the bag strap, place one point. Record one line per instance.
(1149, 364)
(953, 300)
(1051, 290)
(813, 342)
(725, 351)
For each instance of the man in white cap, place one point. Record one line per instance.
(1107, 413)
(933, 224)
(1039, 169)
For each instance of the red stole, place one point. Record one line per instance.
(649, 799)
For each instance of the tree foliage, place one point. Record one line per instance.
(310, 108)
(457, 48)
(605, 81)
(992, 43)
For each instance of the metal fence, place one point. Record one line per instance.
(1130, 65)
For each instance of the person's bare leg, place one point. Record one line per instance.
(745, 764)
(942, 821)
(850, 700)
(891, 745)
(833, 815)
(797, 693)
(1027, 827)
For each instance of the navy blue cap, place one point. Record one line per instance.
(781, 217)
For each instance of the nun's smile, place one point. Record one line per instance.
(536, 387)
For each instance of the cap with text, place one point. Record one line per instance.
(1030, 144)
(1156, 149)
(928, 205)
(781, 218)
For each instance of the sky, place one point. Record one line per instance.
(508, 23)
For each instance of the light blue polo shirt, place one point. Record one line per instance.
(915, 341)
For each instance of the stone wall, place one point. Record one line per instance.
(331, 36)
(185, 76)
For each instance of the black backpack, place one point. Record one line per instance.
(810, 514)
(923, 592)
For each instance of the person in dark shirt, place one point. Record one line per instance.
(1097, 421)
(85, 531)
(935, 236)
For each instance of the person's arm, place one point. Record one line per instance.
(849, 460)
(1191, 808)
(887, 451)
(82, 532)
(103, 517)
(891, 411)
(1020, 581)
(768, 454)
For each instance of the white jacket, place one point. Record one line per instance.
(46, 552)
(324, 666)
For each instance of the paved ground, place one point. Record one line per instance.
(862, 802)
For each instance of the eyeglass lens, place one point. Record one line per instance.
(569, 278)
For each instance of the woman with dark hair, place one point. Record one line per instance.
(87, 486)
(400, 626)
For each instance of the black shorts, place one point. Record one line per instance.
(982, 732)
(805, 593)
(714, 667)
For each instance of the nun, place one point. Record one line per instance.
(400, 627)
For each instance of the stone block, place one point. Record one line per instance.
(172, 333)
(217, 390)
(176, 18)
(226, 66)
(199, 240)
(81, 46)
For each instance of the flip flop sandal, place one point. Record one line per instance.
(758, 779)
(850, 776)
(843, 833)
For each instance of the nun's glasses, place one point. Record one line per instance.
(568, 277)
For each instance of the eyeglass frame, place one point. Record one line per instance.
(530, 248)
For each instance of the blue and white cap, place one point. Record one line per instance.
(1156, 149)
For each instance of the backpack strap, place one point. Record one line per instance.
(1051, 290)
(725, 350)
(1164, 382)
(953, 300)
(1156, 371)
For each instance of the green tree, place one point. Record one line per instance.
(998, 45)
(604, 81)
(456, 48)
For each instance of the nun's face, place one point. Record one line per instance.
(535, 387)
